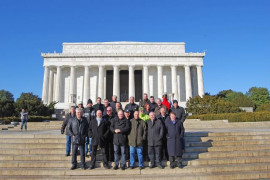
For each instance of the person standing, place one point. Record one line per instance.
(98, 106)
(131, 106)
(163, 117)
(24, 118)
(136, 138)
(106, 104)
(79, 131)
(118, 107)
(99, 129)
(114, 101)
(120, 127)
(144, 101)
(145, 118)
(109, 146)
(174, 135)
(152, 104)
(89, 114)
(155, 134)
(179, 111)
(65, 126)
(159, 106)
(165, 102)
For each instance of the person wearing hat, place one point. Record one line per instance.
(89, 114)
(179, 111)
(80, 104)
(78, 129)
(131, 106)
(145, 117)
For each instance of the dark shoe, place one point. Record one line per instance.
(172, 166)
(106, 166)
(151, 166)
(84, 167)
(115, 167)
(180, 165)
(131, 167)
(73, 167)
(160, 166)
(140, 168)
(123, 167)
(91, 167)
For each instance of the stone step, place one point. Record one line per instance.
(227, 138)
(34, 146)
(201, 176)
(31, 140)
(210, 134)
(101, 171)
(227, 148)
(226, 143)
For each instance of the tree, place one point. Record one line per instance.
(224, 93)
(239, 99)
(259, 95)
(6, 103)
(34, 105)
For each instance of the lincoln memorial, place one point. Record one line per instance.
(91, 70)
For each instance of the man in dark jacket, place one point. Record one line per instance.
(98, 106)
(65, 126)
(120, 127)
(163, 117)
(159, 106)
(118, 107)
(136, 138)
(155, 134)
(179, 111)
(106, 104)
(131, 106)
(144, 101)
(113, 103)
(174, 135)
(99, 129)
(78, 129)
(89, 114)
(152, 104)
(109, 146)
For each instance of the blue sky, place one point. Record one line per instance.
(234, 33)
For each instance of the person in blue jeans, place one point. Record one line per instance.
(24, 117)
(136, 137)
(120, 126)
(69, 117)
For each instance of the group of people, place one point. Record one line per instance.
(153, 130)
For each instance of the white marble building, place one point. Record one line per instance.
(91, 70)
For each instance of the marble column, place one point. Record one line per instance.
(116, 81)
(45, 85)
(58, 84)
(174, 81)
(86, 85)
(160, 81)
(145, 80)
(200, 81)
(72, 91)
(51, 82)
(131, 79)
(101, 82)
(188, 82)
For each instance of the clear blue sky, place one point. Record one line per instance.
(235, 33)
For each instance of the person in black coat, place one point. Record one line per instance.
(99, 129)
(65, 126)
(89, 114)
(78, 129)
(163, 117)
(98, 106)
(155, 139)
(152, 104)
(174, 135)
(109, 146)
(179, 111)
(132, 107)
(120, 127)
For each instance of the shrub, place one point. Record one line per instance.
(7, 120)
(235, 117)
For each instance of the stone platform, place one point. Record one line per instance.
(213, 150)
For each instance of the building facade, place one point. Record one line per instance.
(91, 70)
